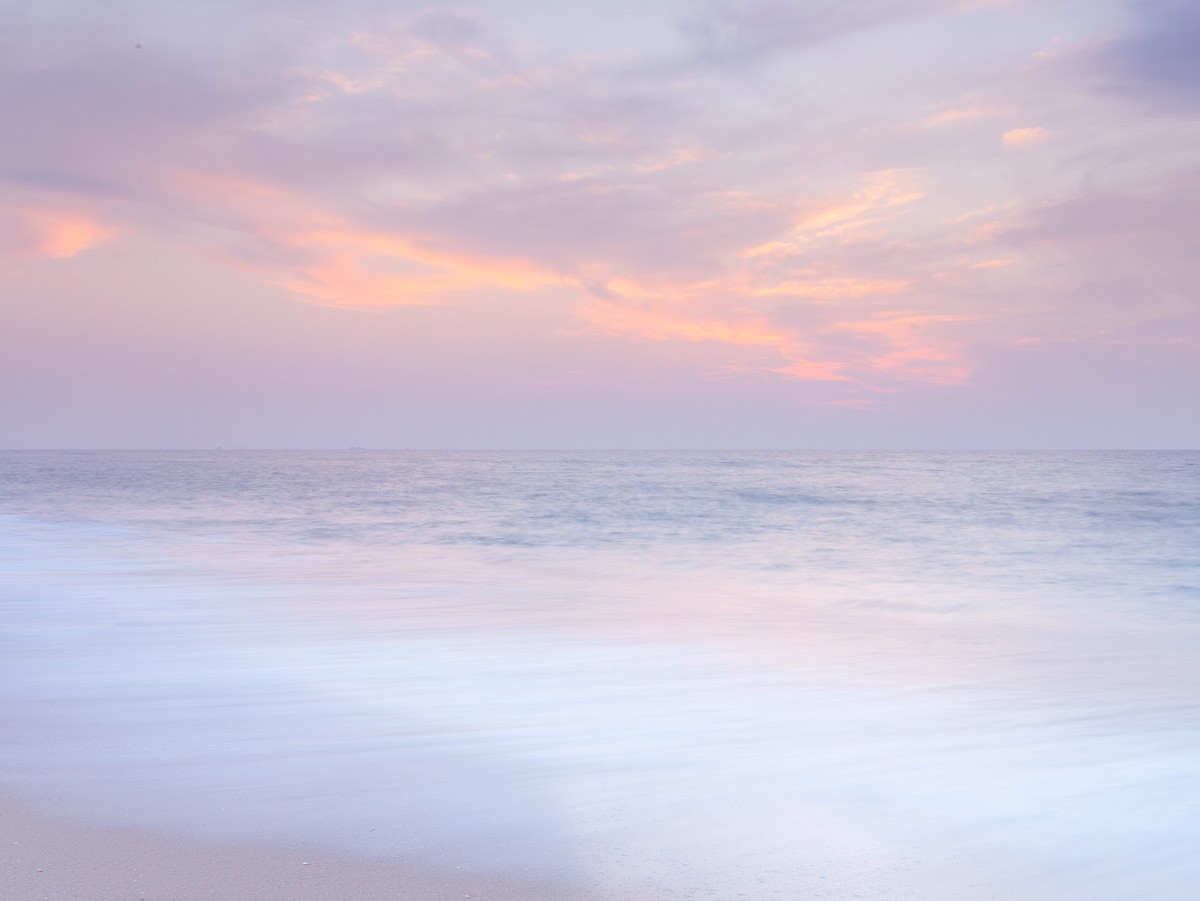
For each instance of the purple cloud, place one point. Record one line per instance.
(1158, 58)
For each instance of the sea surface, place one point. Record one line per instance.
(698, 675)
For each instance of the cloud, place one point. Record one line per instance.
(1158, 58)
(27, 229)
(447, 29)
(361, 269)
(1025, 137)
(667, 321)
(400, 155)
(1134, 261)
(1159, 217)
(833, 288)
(739, 31)
(959, 114)
(910, 348)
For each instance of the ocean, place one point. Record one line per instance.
(701, 675)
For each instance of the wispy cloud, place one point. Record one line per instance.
(1157, 58)
(726, 179)
(32, 227)
(1027, 136)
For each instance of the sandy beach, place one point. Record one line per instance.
(301, 676)
(48, 858)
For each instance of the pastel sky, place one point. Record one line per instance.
(700, 223)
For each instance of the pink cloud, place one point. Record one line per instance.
(1025, 137)
(728, 183)
(56, 233)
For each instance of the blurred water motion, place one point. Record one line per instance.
(717, 674)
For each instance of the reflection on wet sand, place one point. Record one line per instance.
(676, 709)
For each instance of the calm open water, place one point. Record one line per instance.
(696, 675)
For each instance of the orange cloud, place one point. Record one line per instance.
(909, 349)
(882, 191)
(328, 259)
(1024, 137)
(896, 325)
(667, 324)
(332, 259)
(816, 370)
(66, 234)
(834, 288)
(961, 114)
(680, 157)
(676, 322)
(365, 269)
(54, 233)
(924, 365)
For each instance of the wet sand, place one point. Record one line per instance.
(48, 858)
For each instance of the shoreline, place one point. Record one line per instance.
(50, 857)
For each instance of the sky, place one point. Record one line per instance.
(700, 223)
